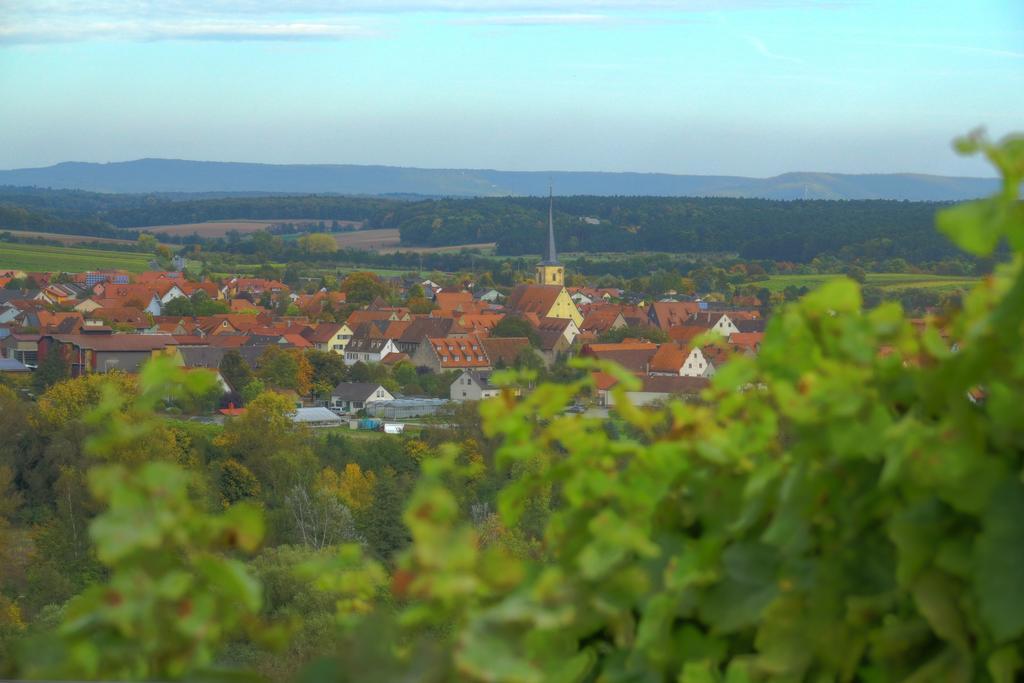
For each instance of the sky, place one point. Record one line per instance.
(739, 87)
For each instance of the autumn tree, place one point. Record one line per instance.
(317, 243)
(352, 486)
(236, 482)
(362, 288)
(285, 369)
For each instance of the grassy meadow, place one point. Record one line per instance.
(885, 281)
(70, 259)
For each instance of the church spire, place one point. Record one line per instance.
(549, 270)
(552, 257)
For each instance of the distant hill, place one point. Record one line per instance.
(179, 176)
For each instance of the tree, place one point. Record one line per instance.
(362, 288)
(253, 390)
(285, 369)
(328, 369)
(511, 326)
(353, 487)
(318, 243)
(179, 307)
(71, 399)
(235, 370)
(147, 242)
(203, 305)
(236, 482)
(647, 332)
(320, 518)
(52, 369)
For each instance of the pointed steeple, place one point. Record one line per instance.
(549, 270)
(551, 257)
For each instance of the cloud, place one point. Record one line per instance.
(533, 20)
(137, 30)
(44, 21)
(110, 7)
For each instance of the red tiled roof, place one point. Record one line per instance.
(669, 358)
(118, 342)
(460, 352)
(322, 333)
(671, 313)
(538, 299)
(684, 333)
(505, 350)
(449, 301)
(297, 340)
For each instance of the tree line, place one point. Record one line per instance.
(795, 231)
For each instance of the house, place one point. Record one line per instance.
(451, 301)
(479, 323)
(746, 342)
(544, 301)
(423, 328)
(652, 390)
(491, 296)
(601, 319)
(86, 353)
(351, 397)
(452, 353)
(581, 299)
(502, 352)
(368, 350)
(669, 314)
(680, 360)
(21, 347)
(552, 345)
(87, 306)
(473, 385)
(329, 337)
(632, 355)
(563, 326)
(255, 287)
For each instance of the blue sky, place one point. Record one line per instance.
(746, 87)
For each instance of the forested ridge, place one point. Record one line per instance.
(753, 228)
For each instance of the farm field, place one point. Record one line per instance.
(222, 228)
(70, 259)
(67, 239)
(886, 281)
(388, 241)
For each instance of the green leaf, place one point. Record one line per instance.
(974, 226)
(936, 595)
(841, 295)
(999, 563)
(1004, 664)
(749, 586)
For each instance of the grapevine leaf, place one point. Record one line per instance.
(999, 563)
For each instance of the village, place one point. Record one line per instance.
(103, 321)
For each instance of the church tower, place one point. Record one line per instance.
(550, 271)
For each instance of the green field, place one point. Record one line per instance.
(885, 281)
(69, 259)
